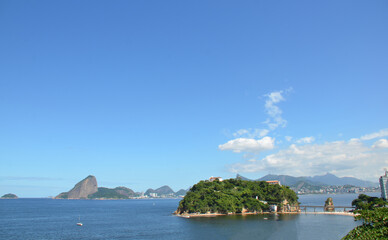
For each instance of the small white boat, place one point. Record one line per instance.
(79, 223)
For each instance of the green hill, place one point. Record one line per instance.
(236, 196)
(112, 193)
(107, 193)
(9, 196)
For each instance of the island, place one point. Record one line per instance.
(9, 196)
(236, 196)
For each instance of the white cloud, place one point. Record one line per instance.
(288, 138)
(382, 143)
(248, 145)
(306, 140)
(379, 134)
(274, 112)
(351, 158)
(251, 133)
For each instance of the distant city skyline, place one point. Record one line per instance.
(145, 94)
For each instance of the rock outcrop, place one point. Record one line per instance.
(82, 189)
(329, 206)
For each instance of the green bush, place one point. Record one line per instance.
(375, 225)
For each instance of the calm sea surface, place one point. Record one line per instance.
(152, 219)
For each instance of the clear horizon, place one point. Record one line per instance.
(146, 94)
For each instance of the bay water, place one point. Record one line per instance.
(153, 219)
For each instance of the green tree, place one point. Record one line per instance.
(375, 225)
(365, 202)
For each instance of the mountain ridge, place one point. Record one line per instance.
(319, 180)
(88, 189)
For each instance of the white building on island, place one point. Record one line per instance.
(211, 179)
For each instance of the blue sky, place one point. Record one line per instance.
(149, 93)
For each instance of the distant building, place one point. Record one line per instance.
(154, 195)
(273, 208)
(274, 182)
(211, 179)
(384, 186)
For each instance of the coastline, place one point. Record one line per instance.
(196, 215)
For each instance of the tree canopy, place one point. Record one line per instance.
(375, 225)
(365, 202)
(234, 195)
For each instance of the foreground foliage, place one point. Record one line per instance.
(365, 202)
(234, 195)
(375, 225)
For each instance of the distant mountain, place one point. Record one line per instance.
(289, 180)
(327, 179)
(82, 189)
(126, 192)
(238, 176)
(284, 179)
(181, 192)
(164, 190)
(87, 189)
(113, 193)
(331, 179)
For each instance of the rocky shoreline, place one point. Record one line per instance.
(195, 215)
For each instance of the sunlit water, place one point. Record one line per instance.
(153, 219)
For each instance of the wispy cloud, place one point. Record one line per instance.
(274, 112)
(379, 134)
(248, 145)
(251, 133)
(306, 140)
(255, 140)
(288, 138)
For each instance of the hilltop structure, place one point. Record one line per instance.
(274, 182)
(211, 179)
(384, 185)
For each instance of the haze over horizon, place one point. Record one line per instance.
(145, 94)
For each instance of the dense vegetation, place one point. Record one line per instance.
(365, 202)
(375, 225)
(107, 193)
(374, 214)
(234, 195)
(9, 195)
